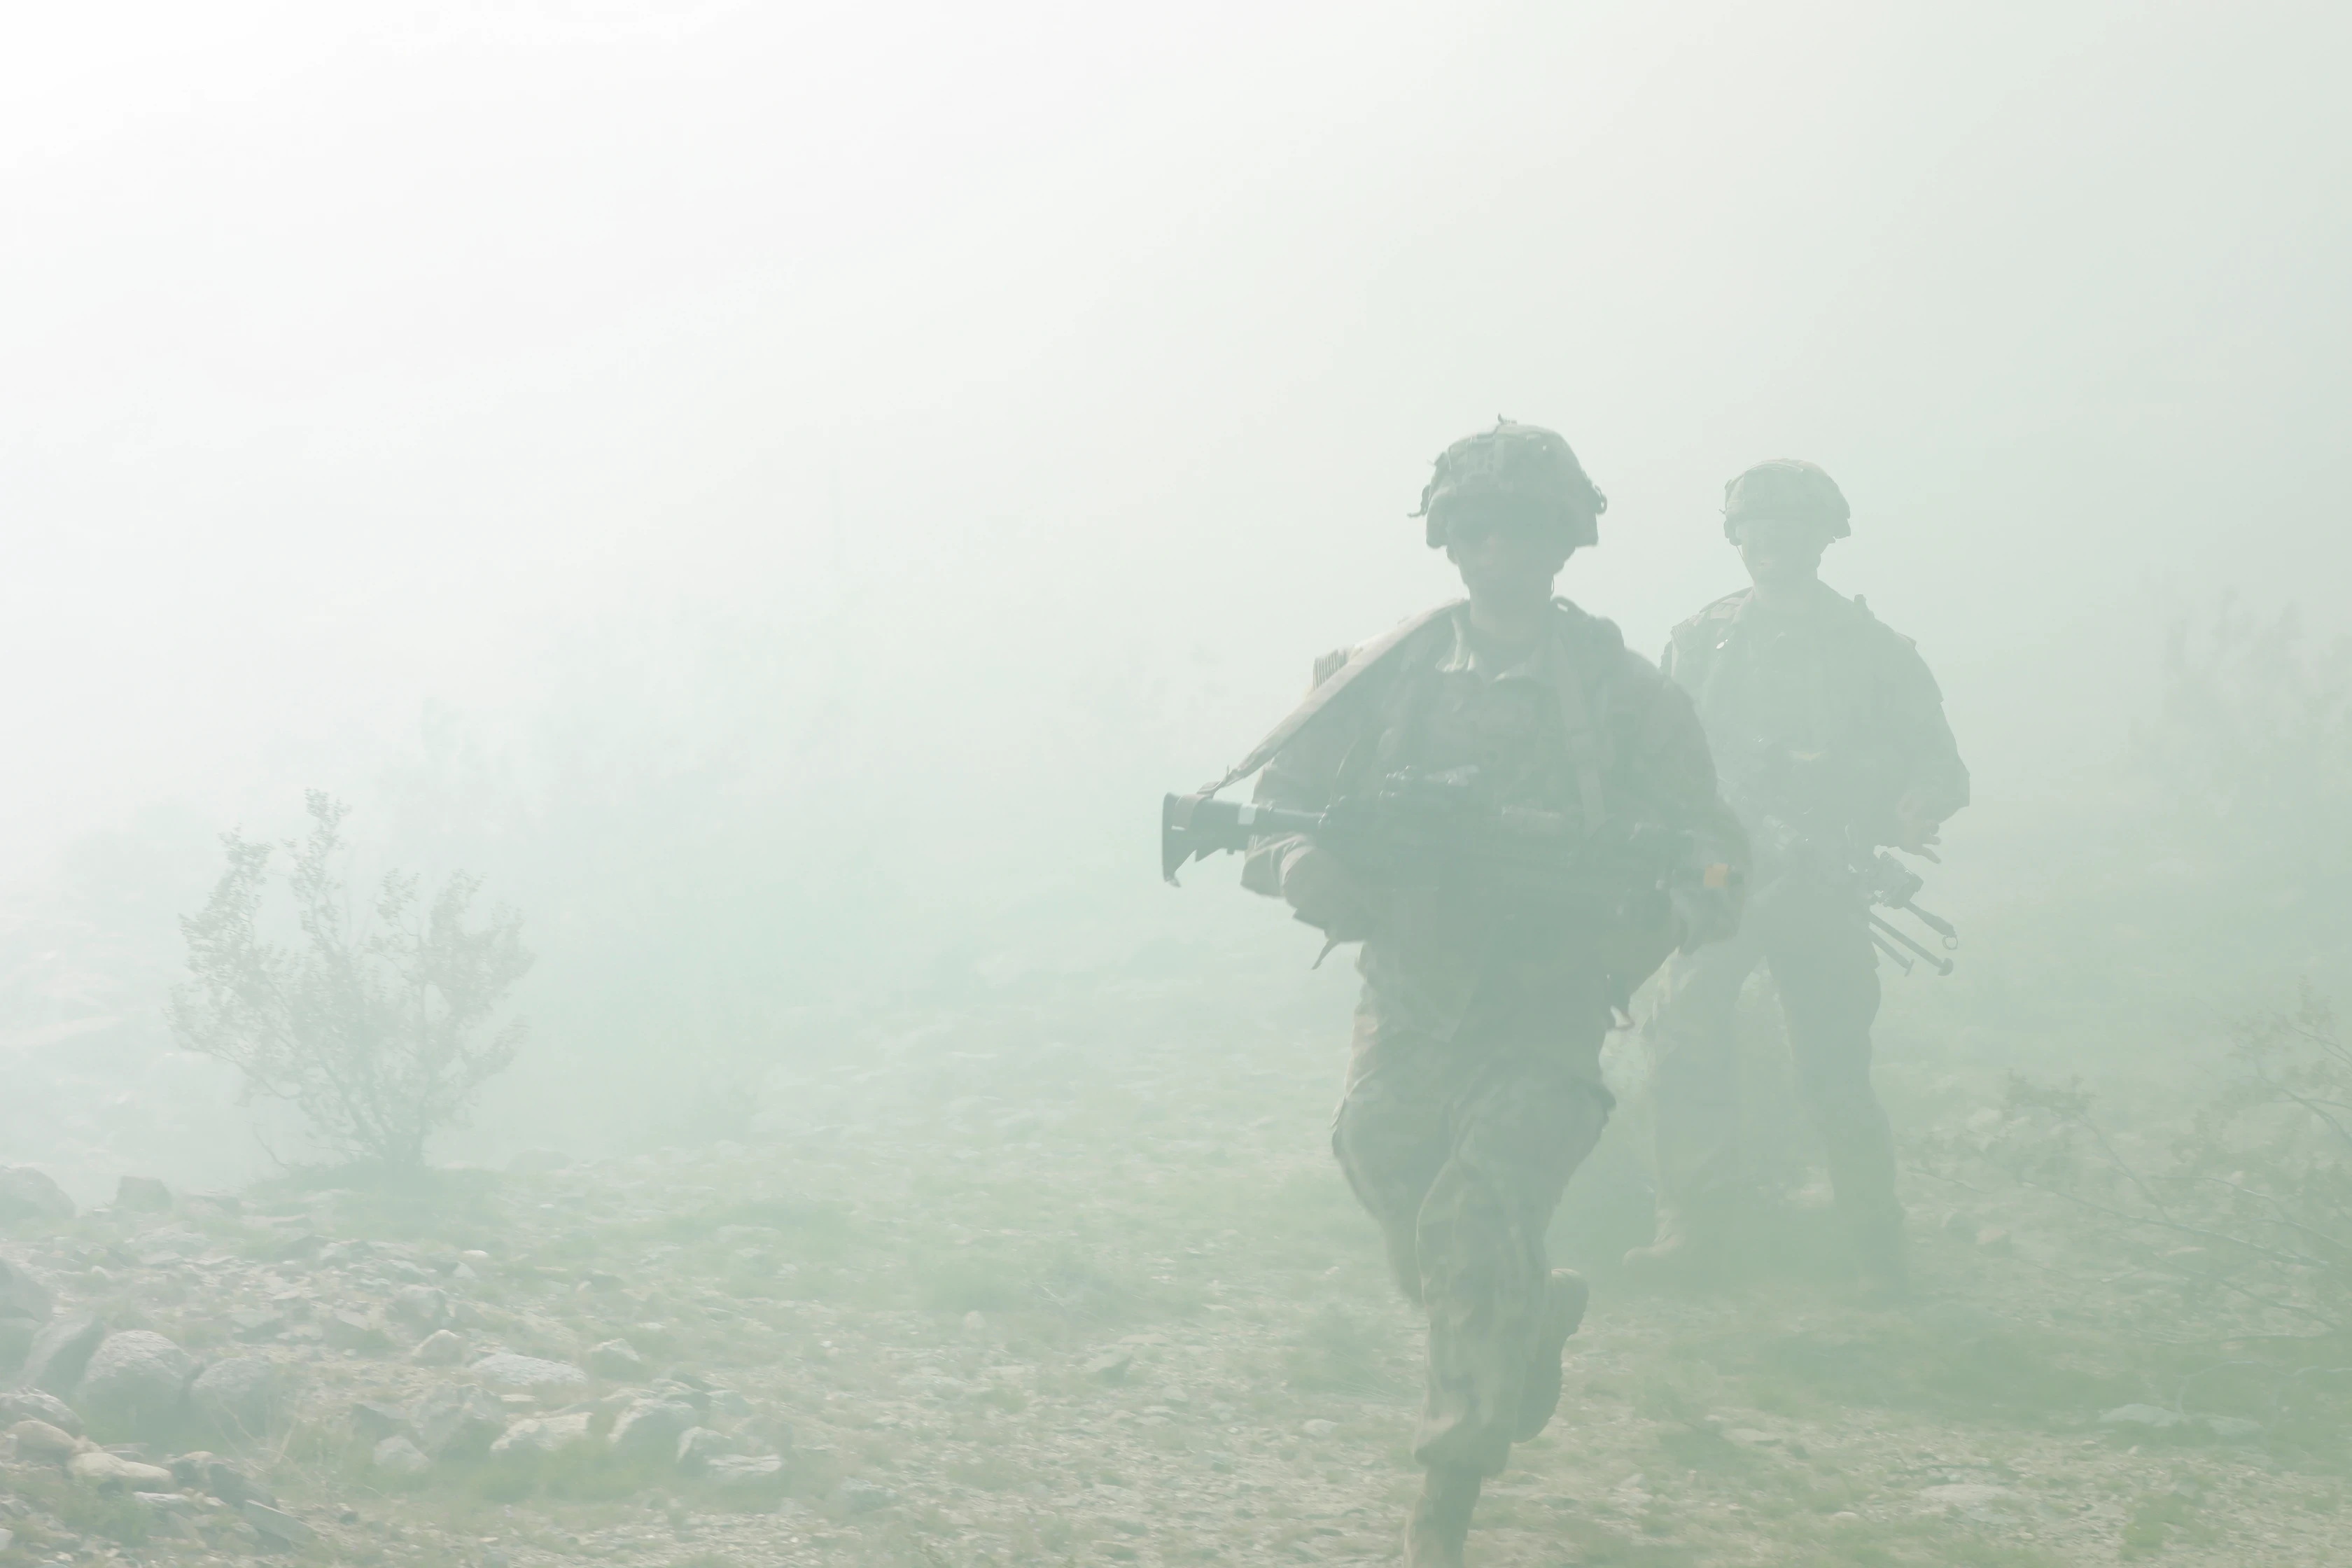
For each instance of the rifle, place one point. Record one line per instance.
(1878, 878)
(1412, 828)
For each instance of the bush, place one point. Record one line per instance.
(2252, 1214)
(378, 1030)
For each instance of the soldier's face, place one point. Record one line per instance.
(1777, 551)
(1509, 560)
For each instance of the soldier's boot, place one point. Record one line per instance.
(1692, 1247)
(1433, 1536)
(1565, 1298)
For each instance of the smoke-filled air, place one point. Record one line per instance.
(929, 785)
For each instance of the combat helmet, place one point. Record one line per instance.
(1517, 467)
(1787, 489)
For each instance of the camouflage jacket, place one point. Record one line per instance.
(1438, 961)
(1824, 715)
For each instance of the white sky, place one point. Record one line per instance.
(354, 357)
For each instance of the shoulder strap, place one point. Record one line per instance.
(1321, 697)
(1576, 721)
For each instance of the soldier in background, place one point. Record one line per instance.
(1474, 1089)
(1820, 716)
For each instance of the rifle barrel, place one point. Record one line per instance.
(1936, 962)
(1936, 923)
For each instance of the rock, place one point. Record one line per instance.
(59, 1353)
(39, 1441)
(439, 1348)
(241, 1395)
(22, 1296)
(374, 1420)
(2234, 1429)
(27, 1194)
(255, 1325)
(211, 1473)
(545, 1434)
(97, 1467)
(160, 1246)
(421, 1305)
(399, 1457)
(528, 1374)
(2141, 1417)
(650, 1428)
(1318, 1427)
(458, 1423)
(747, 1476)
(136, 1385)
(697, 1446)
(617, 1359)
(351, 1331)
(1111, 1366)
(1174, 1397)
(37, 1405)
(166, 1513)
(863, 1497)
(142, 1194)
(275, 1524)
(1970, 1499)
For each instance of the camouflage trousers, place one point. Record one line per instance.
(1461, 1150)
(1816, 941)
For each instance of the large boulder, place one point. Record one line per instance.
(456, 1423)
(27, 1193)
(60, 1353)
(238, 1397)
(136, 1385)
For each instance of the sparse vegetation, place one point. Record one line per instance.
(378, 1025)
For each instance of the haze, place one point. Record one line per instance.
(882, 449)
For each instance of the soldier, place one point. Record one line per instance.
(1474, 1087)
(1822, 717)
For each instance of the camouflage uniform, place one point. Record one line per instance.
(1474, 1088)
(1823, 712)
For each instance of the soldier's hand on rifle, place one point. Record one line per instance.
(1327, 895)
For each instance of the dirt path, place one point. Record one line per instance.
(1001, 1295)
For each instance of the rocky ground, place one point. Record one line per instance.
(989, 1290)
